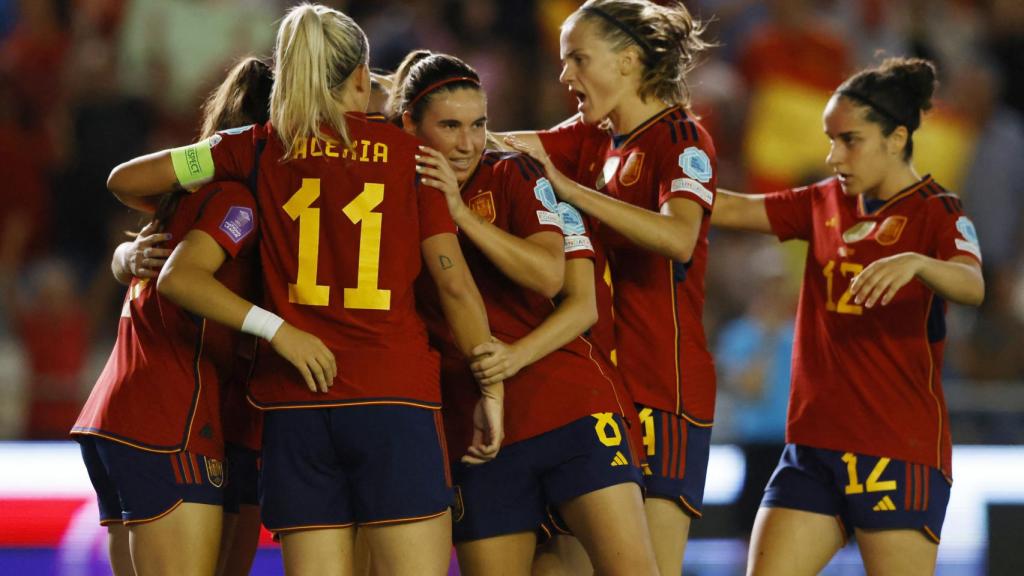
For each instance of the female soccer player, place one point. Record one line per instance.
(242, 98)
(567, 443)
(869, 446)
(343, 223)
(635, 160)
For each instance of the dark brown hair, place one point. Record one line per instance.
(895, 94)
(421, 76)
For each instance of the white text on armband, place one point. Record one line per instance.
(577, 243)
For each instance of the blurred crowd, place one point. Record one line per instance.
(86, 84)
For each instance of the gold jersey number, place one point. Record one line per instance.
(366, 295)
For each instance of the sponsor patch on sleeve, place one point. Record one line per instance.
(968, 242)
(238, 223)
(549, 218)
(572, 221)
(546, 194)
(693, 187)
(577, 243)
(696, 164)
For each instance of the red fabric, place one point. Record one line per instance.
(571, 382)
(160, 387)
(382, 355)
(868, 380)
(661, 348)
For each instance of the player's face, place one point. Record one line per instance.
(860, 155)
(591, 70)
(455, 124)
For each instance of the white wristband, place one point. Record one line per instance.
(262, 323)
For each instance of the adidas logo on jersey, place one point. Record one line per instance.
(884, 505)
(619, 460)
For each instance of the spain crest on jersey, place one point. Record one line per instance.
(890, 230)
(215, 471)
(630, 172)
(483, 205)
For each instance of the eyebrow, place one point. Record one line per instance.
(456, 121)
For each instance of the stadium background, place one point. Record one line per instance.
(86, 84)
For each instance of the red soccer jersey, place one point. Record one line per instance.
(160, 388)
(572, 382)
(340, 249)
(243, 422)
(869, 380)
(661, 349)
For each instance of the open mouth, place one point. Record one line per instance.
(581, 98)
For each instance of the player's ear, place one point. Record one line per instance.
(628, 60)
(407, 124)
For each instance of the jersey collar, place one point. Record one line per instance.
(621, 140)
(863, 210)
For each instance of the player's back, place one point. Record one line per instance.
(340, 247)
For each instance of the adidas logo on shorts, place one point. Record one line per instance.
(884, 505)
(619, 460)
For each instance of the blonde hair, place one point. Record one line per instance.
(668, 37)
(318, 49)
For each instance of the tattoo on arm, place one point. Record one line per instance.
(446, 262)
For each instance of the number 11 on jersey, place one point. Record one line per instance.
(366, 295)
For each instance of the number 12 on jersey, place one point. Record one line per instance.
(366, 295)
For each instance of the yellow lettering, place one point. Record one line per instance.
(366, 295)
(299, 150)
(331, 150)
(305, 290)
(380, 152)
(314, 148)
(366, 146)
(647, 421)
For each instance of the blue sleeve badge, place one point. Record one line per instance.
(969, 241)
(696, 164)
(238, 223)
(546, 194)
(572, 221)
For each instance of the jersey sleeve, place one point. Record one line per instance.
(789, 212)
(233, 152)
(433, 211)
(954, 232)
(537, 209)
(228, 214)
(688, 169)
(564, 144)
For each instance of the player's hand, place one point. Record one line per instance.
(144, 258)
(883, 278)
(437, 172)
(309, 356)
(488, 425)
(496, 361)
(561, 184)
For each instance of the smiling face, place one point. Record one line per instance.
(860, 155)
(592, 70)
(454, 123)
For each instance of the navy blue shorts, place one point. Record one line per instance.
(861, 491)
(511, 493)
(242, 485)
(134, 485)
(364, 464)
(677, 458)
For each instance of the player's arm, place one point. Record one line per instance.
(137, 181)
(958, 279)
(740, 212)
(188, 280)
(467, 317)
(141, 257)
(575, 313)
(672, 232)
(536, 262)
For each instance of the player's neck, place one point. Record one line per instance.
(895, 182)
(632, 112)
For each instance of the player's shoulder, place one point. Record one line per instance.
(375, 127)
(511, 164)
(228, 187)
(937, 198)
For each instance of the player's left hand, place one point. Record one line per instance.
(437, 172)
(496, 361)
(488, 425)
(560, 183)
(883, 278)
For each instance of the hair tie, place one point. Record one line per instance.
(644, 45)
(439, 84)
(863, 98)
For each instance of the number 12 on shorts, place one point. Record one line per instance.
(874, 484)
